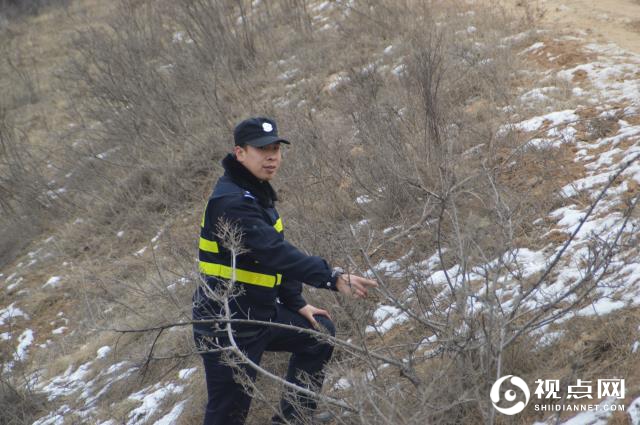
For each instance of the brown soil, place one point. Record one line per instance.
(561, 54)
(603, 21)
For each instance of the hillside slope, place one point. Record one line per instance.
(571, 126)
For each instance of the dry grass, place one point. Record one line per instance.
(634, 25)
(152, 117)
(591, 349)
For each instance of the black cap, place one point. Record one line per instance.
(257, 132)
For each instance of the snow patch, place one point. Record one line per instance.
(538, 94)
(289, 74)
(342, 384)
(399, 69)
(67, 383)
(554, 118)
(24, 341)
(586, 183)
(601, 307)
(172, 417)
(596, 417)
(157, 236)
(180, 37)
(54, 282)
(54, 418)
(11, 312)
(151, 401)
(186, 373)
(14, 284)
(387, 317)
(533, 47)
(320, 7)
(363, 199)
(103, 352)
(634, 411)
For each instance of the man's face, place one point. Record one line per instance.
(263, 162)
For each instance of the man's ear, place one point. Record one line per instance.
(239, 153)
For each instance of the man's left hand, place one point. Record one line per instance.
(308, 311)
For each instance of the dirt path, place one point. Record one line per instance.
(604, 21)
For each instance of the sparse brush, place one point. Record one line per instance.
(396, 155)
(19, 403)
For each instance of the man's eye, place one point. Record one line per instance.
(270, 148)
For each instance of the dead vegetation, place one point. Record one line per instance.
(393, 110)
(19, 403)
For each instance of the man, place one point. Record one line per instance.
(269, 275)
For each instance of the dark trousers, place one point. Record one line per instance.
(228, 404)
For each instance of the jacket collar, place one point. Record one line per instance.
(243, 178)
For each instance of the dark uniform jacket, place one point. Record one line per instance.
(271, 269)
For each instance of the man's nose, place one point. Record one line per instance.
(272, 155)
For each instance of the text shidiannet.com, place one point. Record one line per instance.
(579, 408)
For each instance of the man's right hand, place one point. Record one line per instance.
(354, 286)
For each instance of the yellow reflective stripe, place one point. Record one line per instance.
(202, 221)
(244, 276)
(278, 225)
(208, 246)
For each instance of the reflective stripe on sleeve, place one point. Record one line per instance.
(208, 246)
(278, 226)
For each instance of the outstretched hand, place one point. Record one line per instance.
(355, 286)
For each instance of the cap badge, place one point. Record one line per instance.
(267, 127)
